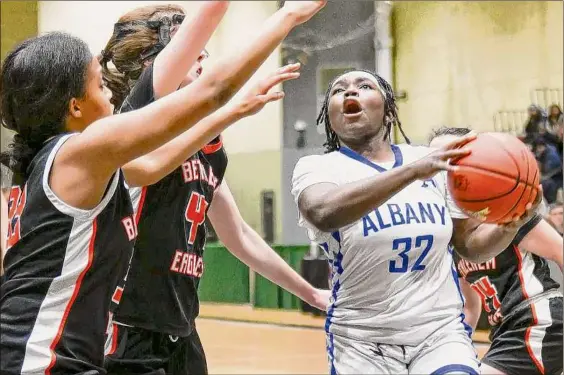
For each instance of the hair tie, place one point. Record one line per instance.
(106, 55)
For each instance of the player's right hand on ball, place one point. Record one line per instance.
(262, 92)
(531, 211)
(302, 11)
(439, 160)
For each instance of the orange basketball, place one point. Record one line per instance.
(497, 180)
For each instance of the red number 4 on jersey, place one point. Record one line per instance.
(195, 214)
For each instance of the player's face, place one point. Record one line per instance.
(556, 217)
(196, 70)
(356, 107)
(96, 102)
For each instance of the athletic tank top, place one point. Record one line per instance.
(61, 268)
(161, 291)
(512, 277)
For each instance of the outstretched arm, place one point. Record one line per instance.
(173, 63)
(85, 163)
(243, 242)
(152, 167)
(544, 241)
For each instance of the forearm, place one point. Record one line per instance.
(255, 253)
(244, 62)
(152, 167)
(347, 203)
(483, 242)
(175, 60)
(471, 316)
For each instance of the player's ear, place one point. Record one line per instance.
(74, 108)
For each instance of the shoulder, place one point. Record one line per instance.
(142, 93)
(414, 151)
(315, 163)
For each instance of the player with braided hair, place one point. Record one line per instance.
(384, 217)
(390, 109)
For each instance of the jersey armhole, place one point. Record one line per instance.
(65, 208)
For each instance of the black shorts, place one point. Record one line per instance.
(529, 341)
(138, 351)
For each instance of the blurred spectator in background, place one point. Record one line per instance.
(555, 126)
(555, 218)
(550, 165)
(555, 116)
(536, 123)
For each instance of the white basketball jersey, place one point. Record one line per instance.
(393, 276)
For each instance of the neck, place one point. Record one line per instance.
(376, 148)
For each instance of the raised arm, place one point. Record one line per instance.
(329, 207)
(85, 163)
(173, 63)
(152, 167)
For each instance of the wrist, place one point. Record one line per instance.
(287, 17)
(411, 172)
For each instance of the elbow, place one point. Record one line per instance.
(320, 217)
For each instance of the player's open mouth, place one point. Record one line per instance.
(351, 108)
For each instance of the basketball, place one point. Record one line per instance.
(497, 180)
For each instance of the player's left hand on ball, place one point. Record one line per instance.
(518, 222)
(262, 92)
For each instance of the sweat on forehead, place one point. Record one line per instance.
(358, 75)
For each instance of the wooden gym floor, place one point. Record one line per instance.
(242, 340)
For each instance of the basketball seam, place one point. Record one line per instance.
(515, 178)
(495, 197)
(499, 172)
(526, 184)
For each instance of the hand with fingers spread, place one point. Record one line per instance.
(440, 159)
(519, 221)
(263, 92)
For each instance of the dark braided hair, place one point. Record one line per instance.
(444, 130)
(390, 112)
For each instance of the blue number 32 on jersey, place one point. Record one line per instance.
(405, 244)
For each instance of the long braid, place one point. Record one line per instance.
(390, 113)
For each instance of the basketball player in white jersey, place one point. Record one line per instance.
(383, 215)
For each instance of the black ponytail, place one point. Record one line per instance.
(39, 77)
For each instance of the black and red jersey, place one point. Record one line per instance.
(509, 279)
(61, 269)
(161, 288)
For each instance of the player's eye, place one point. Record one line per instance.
(365, 86)
(337, 91)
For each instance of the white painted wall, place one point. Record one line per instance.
(93, 21)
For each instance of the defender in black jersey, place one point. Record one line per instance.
(168, 261)
(154, 330)
(524, 307)
(70, 226)
(523, 302)
(79, 256)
